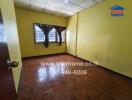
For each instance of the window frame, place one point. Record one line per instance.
(56, 36)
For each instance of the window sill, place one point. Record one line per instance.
(49, 42)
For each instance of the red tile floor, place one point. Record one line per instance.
(40, 81)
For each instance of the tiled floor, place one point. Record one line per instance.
(40, 81)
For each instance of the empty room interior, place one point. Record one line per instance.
(65, 49)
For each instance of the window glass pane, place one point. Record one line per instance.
(39, 35)
(52, 35)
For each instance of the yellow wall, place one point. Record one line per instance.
(10, 29)
(106, 39)
(25, 20)
(71, 35)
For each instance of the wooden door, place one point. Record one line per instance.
(7, 88)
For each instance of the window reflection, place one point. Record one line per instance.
(41, 74)
(50, 72)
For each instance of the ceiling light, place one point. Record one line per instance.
(66, 1)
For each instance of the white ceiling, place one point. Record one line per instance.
(57, 7)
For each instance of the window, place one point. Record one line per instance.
(53, 36)
(62, 35)
(39, 35)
